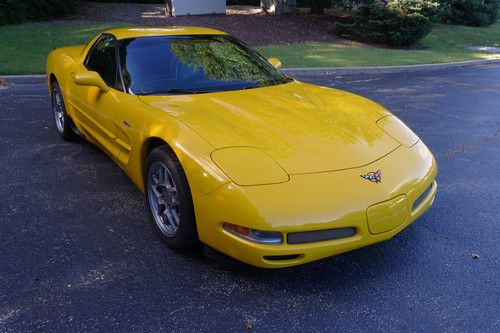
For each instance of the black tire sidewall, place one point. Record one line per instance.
(187, 235)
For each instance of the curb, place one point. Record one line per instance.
(386, 69)
(25, 79)
(30, 79)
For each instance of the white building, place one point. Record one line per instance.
(198, 7)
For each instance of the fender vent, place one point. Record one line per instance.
(319, 235)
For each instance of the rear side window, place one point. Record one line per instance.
(102, 59)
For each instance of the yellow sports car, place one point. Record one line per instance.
(231, 153)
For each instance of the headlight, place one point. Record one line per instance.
(398, 130)
(249, 166)
(256, 236)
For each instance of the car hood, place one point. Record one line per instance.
(305, 128)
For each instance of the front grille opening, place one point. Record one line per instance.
(422, 197)
(319, 235)
(282, 257)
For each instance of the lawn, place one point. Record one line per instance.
(446, 43)
(23, 48)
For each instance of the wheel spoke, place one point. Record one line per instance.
(162, 175)
(171, 220)
(168, 181)
(176, 216)
(155, 191)
(155, 179)
(159, 175)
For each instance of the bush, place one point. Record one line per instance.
(401, 23)
(427, 8)
(17, 11)
(470, 12)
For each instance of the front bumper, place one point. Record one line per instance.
(321, 201)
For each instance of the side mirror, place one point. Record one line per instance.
(89, 78)
(275, 62)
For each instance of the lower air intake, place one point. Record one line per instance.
(282, 257)
(320, 235)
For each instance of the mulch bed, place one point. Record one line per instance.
(246, 23)
(3, 82)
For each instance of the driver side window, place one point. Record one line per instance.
(102, 59)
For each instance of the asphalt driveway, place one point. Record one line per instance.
(76, 252)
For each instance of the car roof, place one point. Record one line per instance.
(134, 32)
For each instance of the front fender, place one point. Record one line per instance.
(192, 151)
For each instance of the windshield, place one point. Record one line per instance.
(166, 65)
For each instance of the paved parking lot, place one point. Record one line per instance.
(76, 252)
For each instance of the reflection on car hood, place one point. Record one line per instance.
(305, 128)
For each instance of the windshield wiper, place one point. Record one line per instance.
(173, 91)
(250, 87)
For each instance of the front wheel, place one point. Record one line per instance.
(169, 199)
(62, 120)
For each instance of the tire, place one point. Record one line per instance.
(64, 124)
(169, 199)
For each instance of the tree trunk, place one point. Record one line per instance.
(318, 6)
(169, 10)
(279, 6)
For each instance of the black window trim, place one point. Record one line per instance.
(117, 57)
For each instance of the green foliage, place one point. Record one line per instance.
(401, 23)
(427, 8)
(17, 11)
(476, 13)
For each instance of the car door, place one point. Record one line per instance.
(97, 109)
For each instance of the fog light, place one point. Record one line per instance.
(256, 236)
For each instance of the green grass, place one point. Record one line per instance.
(446, 43)
(24, 47)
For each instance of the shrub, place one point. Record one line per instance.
(470, 12)
(427, 8)
(17, 11)
(400, 23)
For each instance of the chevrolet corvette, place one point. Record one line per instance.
(232, 154)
